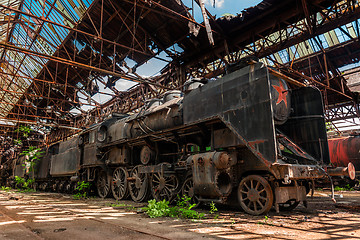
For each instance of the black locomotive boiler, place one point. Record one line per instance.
(246, 135)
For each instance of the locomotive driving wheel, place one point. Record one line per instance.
(255, 195)
(138, 185)
(103, 184)
(188, 190)
(163, 187)
(119, 183)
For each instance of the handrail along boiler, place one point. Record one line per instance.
(246, 136)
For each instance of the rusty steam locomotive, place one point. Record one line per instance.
(245, 136)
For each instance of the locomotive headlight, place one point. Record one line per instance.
(102, 134)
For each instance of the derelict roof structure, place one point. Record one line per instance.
(90, 50)
(54, 55)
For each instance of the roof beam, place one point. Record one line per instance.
(81, 65)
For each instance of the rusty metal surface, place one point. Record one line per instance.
(211, 174)
(283, 194)
(147, 155)
(176, 139)
(91, 155)
(19, 168)
(166, 115)
(163, 167)
(295, 172)
(149, 120)
(345, 150)
(42, 169)
(306, 125)
(348, 171)
(226, 138)
(67, 160)
(96, 23)
(242, 100)
(119, 155)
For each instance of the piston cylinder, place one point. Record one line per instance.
(211, 174)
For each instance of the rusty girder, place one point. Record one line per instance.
(112, 31)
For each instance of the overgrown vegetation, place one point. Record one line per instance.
(24, 184)
(265, 221)
(24, 131)
(17, 142)
(329, 127)
(32, 157)
(346, 188)
(122, 205)
(213, 209)
(183, 209)
(82, 190)
(158, 209)
(3, 188)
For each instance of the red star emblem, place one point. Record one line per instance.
(282, 93)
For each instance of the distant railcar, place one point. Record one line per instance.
(345, 150)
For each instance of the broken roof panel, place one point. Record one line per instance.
(30, 33)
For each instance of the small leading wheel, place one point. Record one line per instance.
(68, 188)
(188, 190)
(60, 187)
(255, 195)
(163, 187)
(289, 205)
(138, 185)
(54, 186)
(103, 184)
(119, 183)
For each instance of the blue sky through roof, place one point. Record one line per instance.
(153, 66)
(50, 36)
(39, 38)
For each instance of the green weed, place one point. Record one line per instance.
(17, 142)
(183, 209)
(213, 209)
(265, 221)
(122, 205)
(82, 190)
(24, 130)
(24, 185)
(3, 188)
(346, 188)
(33, 156)
(158, 209)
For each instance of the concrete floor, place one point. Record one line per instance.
(56, 216)
(53, 216)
